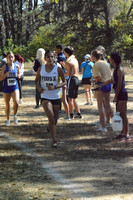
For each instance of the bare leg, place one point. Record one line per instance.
(71, 105)
(76, 106)
(52, 114)
(100, 106)
(108, 108)
(64, 100)
(122, 108)
(15, 97)
(86, 93)
(7, 98)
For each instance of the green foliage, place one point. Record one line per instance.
(56, 1)
(47, 38)
(123, 35)
(16, 49)
(81, 24)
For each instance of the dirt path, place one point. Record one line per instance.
(86, 164)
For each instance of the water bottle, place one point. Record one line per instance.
(117, 123)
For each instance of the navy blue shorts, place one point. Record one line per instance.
(123, 96)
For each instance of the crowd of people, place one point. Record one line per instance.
(57, 82)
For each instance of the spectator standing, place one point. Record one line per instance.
(62, 58)
(102, 50)
(102, 73)
(87, 71)
(121, 95)
(39, 61)
(72, 67)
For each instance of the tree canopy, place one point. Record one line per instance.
(26, 25)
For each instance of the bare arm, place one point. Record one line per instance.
(3, 75)
(105, 83)
(98, 79)
(62, 75)
(118, 89)
(37, 79)
(82, 70)
(69, 69)
(18, 67)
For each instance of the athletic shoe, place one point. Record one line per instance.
(71, 116)
(87, 103)
(54, 144)
(8, 122)
(102, 129)
(15, 119)
(128, 139)
(77, 116)
(20, 101)
(97, 125)
(120, 138)
(37, 106)
(67, 118)
(108, 125)
(91, 103)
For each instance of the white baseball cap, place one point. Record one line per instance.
(87, 56)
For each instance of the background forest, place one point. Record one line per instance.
(26, 25)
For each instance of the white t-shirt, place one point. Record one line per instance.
(21, 67)
(101, 68)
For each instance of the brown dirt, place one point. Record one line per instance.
(96, 167)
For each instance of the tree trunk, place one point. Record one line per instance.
(108, 30)
(19, 22)
(28, 21)
(12, 23)
(5, 18)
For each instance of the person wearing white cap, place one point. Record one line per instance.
(87, 72)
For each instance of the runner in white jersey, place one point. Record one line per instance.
(50, 90)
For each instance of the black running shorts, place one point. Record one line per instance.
(73, 84)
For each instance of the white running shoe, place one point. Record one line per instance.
(15, 119)
(108, 125)
(67, 118)
(102, 129)
(20, 101)
(8, 122)
(91, 102)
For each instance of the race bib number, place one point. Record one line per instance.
(49, 84)
(11, 82)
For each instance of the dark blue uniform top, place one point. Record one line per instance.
(61, 58)
(11, 83)
(123, 92)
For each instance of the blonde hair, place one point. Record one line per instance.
(40, 55)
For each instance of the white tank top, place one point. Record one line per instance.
(50, 78)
